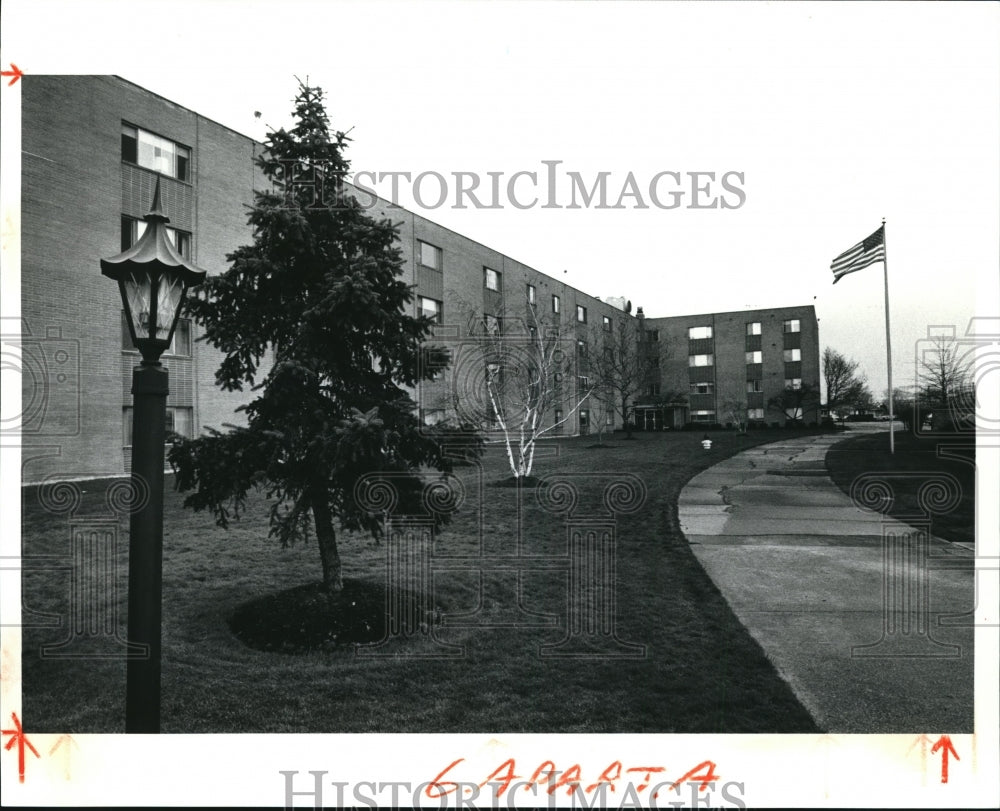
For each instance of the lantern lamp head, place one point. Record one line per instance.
(153, 279)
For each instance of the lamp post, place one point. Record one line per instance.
(153, 279)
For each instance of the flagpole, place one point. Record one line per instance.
(888, 342)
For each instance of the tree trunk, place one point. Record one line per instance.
(628, 425)
(326, 537)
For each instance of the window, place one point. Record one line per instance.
(431, 308)
(491, 279)
(581, 349)
(493, 325)
(755, 413)
(755, 386)
(557, 417)
(180, 344)
(703, 416)
(753, 328)
(178, 421)
(182, 241)
(793, 355)
(429, 255)
(156, 153)
(699, 333)
(607, 323)
(793, 383)
(133, 229)
(702, 388)
(791, 326)
(609, 419)
(555, 304)
(701, 360)
(581, 313)
(531, 294)
(755, 357)
(653, 390)
(583, 382)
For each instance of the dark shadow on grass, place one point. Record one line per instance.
(306, 618)
(914, 463)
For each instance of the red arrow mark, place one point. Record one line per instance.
(19, 738)
(923, 740)
(945, 745)
(70, 746)
(14, 71)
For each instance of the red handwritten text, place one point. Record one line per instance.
(506, 777)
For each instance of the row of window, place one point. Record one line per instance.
(757, 386)
(434, 310)
(753, 328)
(757, 356)
(789, 355)
(157, 154)
(753, 386)
(143, 148)
(708, 415)
(431, 256)
(557, 417)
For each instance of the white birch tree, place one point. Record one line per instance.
(510, 374)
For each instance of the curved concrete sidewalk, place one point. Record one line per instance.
(803, 569)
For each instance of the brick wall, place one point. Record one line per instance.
(76, 188)
(729, 345)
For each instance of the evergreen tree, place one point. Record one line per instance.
(315, 308)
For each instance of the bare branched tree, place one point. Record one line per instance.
(944, 373)
(602, 406)
(945, 386)
(794, 403)
(845, 387)
(736, 410)
(513, 369)
(621, 362)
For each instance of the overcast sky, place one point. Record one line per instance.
(835, 115)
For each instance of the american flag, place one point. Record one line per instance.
(870, 250)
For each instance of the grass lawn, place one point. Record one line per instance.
(701, 672)
(955, 456)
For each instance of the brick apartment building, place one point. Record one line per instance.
(720, 363)
(92, 150)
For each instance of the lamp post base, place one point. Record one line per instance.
(145, 558)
